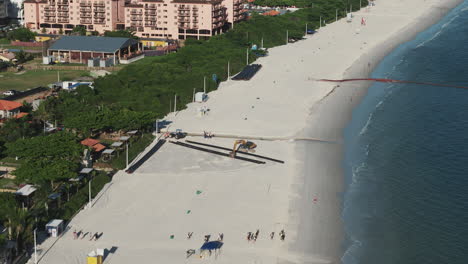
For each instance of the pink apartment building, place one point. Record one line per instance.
(173, 19)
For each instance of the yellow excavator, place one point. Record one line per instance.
(244, 145)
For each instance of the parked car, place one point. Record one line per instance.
(311, 31)
(10, 92)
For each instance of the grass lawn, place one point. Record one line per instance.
(4, 41)
(35, 78)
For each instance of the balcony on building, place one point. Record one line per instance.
(62, 14)
(99, 15)
(136, 12)
(49, 14)
(99, 10)
(136, 18)
(102, 4)
(63, 20)
(85, 4)
(62, 8)
(150, 6)
(152, 12)
(86, 9)
(62, 3)
(49, 19)
(49, 8)
(185, 14)
(85, 15)
(181, 19)
(99, 21)
(182, 7)
(150, 18)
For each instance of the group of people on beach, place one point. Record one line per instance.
(253, 236)
(81, 234)
(207, 237)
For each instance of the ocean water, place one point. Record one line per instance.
(406, 157)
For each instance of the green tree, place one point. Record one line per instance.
(46, 158)
(21, 34)
(22, 56)
(80, 30)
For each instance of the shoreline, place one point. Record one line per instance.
(148, 213)
(356, 91)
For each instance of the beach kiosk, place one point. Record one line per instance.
(55, 227)
(201, 97)
(95, 257)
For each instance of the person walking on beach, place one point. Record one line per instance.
(282, 235)
(249, 236)
(272, 235)
(189, 235)
(257, 233)
(221, 236)
(74, 234)
(207, 238)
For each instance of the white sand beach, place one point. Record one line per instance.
(138, 213)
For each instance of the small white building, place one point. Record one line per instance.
(55, 227)
(201, 97)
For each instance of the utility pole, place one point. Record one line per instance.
(170, 106)
(193, 96)
(320, 22)
(58, 76)
(175, 102)
(229, 72)
(35, 247)
(360, 4)
(306, 29)
(204, 84)
(287, 36)
(247, 56)
(89, 193)
(262, 43)
(336, 16)
(126, 159)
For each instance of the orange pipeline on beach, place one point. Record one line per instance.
(394, 81)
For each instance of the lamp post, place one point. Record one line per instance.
(35, 247)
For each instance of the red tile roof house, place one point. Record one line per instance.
(94, 144)
(9, 109)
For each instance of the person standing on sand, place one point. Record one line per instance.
(272, 235)
(257, 233)
(221, 236)
(249, 235)
(189, 235)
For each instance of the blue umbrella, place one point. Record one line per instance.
(211, 245)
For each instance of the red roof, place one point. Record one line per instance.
(98, 147)
(9, 105)
(89, 142)
(20, 115)
(94, 143)
(271, 13)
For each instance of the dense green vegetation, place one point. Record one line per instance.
(296, 3)
(21, 34)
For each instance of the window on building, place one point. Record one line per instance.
(165, 22)
(165, 16)
(165, 4)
